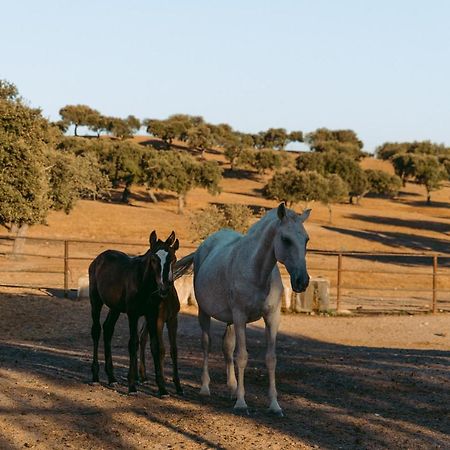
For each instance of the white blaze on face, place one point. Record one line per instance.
(162, 255)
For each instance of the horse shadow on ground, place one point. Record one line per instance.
(334, 396)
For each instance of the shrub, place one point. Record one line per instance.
(211, 219)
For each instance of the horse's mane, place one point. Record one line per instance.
(267, 219)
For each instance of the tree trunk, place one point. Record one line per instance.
(19, 242)
(126, 194)
(330, 217)
(428, 197)
(152, 196)
(181, 203)
(75, 131)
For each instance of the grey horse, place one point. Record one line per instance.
(237, 281)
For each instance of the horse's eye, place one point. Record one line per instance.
(285, 240)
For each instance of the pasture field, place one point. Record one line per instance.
(344, 382)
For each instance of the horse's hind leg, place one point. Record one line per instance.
(228, 345)
(96, 307)
(143, 336)
(172, 326)
(108, 330)
(205, 324)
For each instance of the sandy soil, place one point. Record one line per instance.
(344, 382)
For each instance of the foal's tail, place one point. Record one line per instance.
(183, 266)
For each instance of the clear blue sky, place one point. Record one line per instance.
(381, 67)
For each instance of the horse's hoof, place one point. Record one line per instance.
(164, 395)
(241, 411)
(113, 384)
(95, 383)
(205, 391)
(180, 392)
(145, 382)
(133, 393)
(276, 413)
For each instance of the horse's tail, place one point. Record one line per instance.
(183, 266)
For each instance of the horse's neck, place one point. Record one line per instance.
(148, 276)
(258, 253)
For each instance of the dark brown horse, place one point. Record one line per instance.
(138, 286)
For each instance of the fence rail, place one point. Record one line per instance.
(71, 255)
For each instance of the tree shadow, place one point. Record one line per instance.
(333, 395)
(241, 174)
(439, 227)
(157, 144)
(424, 204)
(396, 239)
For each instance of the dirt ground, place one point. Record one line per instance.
(343, 382)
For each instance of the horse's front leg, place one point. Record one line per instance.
(132, 350)
(155, 330)
(172, 325)
(272, 321)
(239, 322)
(228, 346)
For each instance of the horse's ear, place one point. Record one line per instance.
(170, 240)
(281, 211)
(305, 214)
(176, 245)
(153, 239)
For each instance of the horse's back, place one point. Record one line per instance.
(108, 275)
(212, 263)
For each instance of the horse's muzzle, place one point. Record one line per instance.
(163, 292)
(300, 283)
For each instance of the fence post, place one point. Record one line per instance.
(338, 285)
(434, 299)
(66, 269)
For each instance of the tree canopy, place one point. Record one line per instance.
(179, 172)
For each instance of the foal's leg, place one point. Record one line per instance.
(272, 321)
(96, 329)
(239, 323)
(132, 350)
(205, 324)
(143, 336)
(172, 326)
(108, 330)
(155, 330)
(228, 345)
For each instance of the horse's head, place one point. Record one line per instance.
(162, 259)
(290, 246)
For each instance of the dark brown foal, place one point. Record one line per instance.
(137, 286)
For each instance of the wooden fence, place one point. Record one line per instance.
(360, 281)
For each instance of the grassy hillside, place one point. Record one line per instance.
(405, 223)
